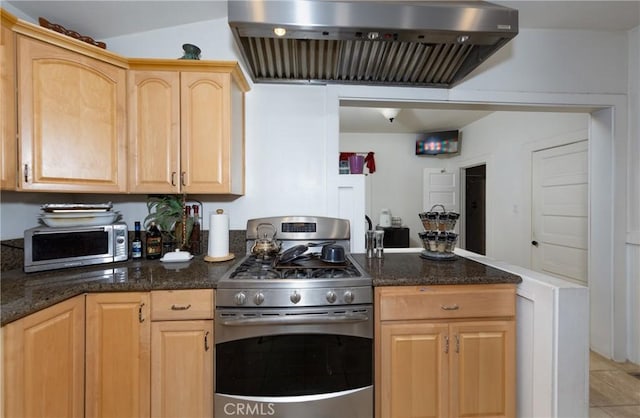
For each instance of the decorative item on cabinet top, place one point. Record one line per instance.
(191, 52)
(61, 29)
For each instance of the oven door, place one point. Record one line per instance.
(294, 362)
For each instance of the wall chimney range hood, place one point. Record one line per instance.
(419, 44)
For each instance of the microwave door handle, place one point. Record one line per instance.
(59, 230)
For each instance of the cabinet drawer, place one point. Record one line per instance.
(445, 302)
(181, 304)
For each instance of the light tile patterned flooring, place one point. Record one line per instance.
(613, 391)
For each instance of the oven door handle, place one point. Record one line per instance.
(296, 320)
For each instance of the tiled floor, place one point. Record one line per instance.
(613, 391)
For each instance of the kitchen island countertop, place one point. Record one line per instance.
(23, 294)
(409, 269)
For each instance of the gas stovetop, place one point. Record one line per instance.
(308, 266)
(305, 281)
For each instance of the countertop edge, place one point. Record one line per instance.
(24, 294)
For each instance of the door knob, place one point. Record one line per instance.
(534, 243)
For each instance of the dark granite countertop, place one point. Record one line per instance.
(409, 269)
(23, 294)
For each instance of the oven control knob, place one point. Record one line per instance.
(240, 298)
(295, 297)
(331, 296)
(258, 298)
(348, 296)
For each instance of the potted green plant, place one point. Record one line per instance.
(167, 211)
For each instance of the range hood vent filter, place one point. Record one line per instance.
(429, 55)
(360, 62)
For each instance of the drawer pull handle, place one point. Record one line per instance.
(180, 307)
(140, 315)
(453, 307)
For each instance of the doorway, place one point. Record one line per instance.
(560, 190)
(475, 225)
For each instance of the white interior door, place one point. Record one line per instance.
(559, 211)
(440, 187)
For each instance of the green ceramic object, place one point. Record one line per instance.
(191, 52)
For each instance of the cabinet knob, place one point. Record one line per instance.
(534, 243)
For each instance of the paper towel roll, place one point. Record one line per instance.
(218, 235)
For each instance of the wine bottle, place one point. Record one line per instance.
(136, 244)
(154, 242)
(195, 232)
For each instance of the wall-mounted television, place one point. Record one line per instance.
(438, 143)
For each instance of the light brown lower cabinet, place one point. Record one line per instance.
(121, 354)
(445, 351)
(118, 355)
(43, 363)
(182, 353)
(182, 369)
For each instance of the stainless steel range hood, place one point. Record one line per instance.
(424, 44)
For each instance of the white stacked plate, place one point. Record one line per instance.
(70, 215)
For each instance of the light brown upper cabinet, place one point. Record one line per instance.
(8, 142)
(186, 127)
(71, 119)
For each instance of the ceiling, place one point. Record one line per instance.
(107, 19)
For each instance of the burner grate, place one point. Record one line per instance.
(305, 268)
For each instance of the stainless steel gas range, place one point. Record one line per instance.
(294, 335)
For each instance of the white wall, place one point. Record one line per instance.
(632, 289)
(504, 141)
(556, 61)
(397, 182)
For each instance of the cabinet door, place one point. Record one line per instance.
(154, 131)
(414, 370)
(117, 355)
(44, 363)
(205, 132)
(483, 369)
(8, 144)
(71, 120)
(182, 369)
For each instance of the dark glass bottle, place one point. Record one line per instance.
(154, 242)
(136, 244)
(195, 232)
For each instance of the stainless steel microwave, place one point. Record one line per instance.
(47, 248)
